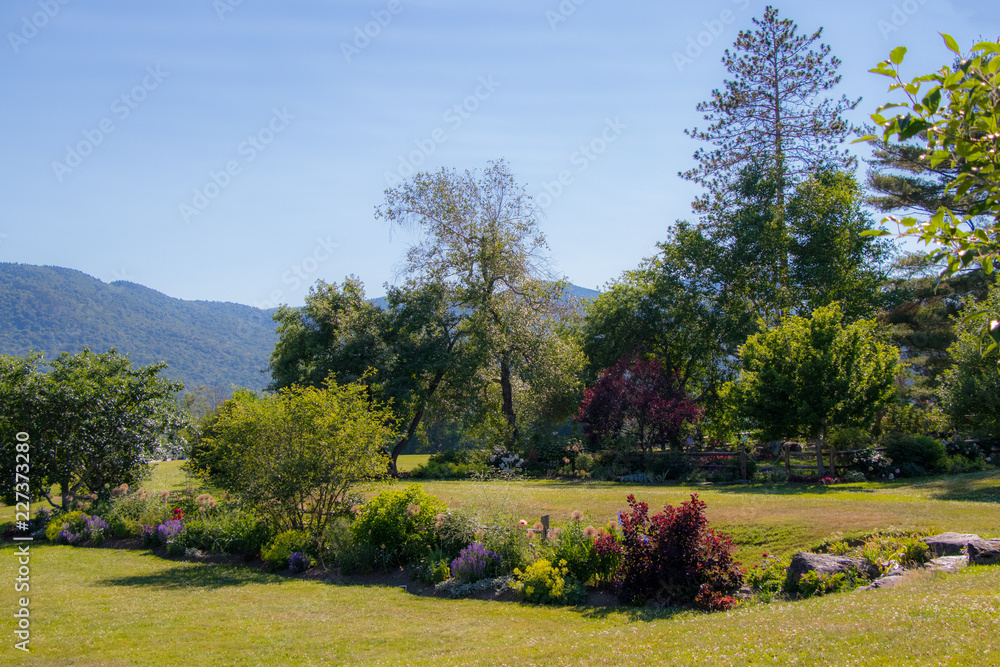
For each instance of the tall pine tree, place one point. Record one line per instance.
(773, 127)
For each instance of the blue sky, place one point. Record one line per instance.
(236, 150)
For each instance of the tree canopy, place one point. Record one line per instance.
(94, 420)
(808, 374)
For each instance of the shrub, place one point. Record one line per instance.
(301, 443)
(965, 448)
(475, 562)
(95, 529)
(455, 529)
(507, 539)
(73, 522)
(575, 546)
(849, 438)
(911, 453)
(768, 578)
(545, 583)
(228, 530)
(399, 524)
(431, 570)
(673, 557)
(814, 584)
(279, 550)
(871, 464)
(609, 557)
(958, 464)
(504, 460)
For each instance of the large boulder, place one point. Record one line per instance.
(984, 552)
(949, 544)
(825, 564)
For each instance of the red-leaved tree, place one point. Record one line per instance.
(636, 403)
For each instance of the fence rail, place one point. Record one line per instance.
(829, 455)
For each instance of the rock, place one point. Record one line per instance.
(948, 563)
(949, 544)
(984, 552)
(825, 564)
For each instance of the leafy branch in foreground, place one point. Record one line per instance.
(957, 115)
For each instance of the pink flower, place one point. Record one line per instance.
(523, 522)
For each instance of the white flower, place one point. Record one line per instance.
(891, 476)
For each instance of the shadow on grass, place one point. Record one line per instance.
(793, 489)
(197, 575)
(632, 613)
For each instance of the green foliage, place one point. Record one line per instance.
(886, 549)
(212, 344)
(296, 456)
(924, 418)
(809, 374)
(849, 438)
(278, 550)
(545, 583)
(914, 454)
(830, 260)
(815, 584)
(399, 524)
(575, 547)
(71, 521)
(479, 236)
(768, 579)
(970, 390)
(432, 569)
(456, 529)
(953, 112)
(229, 530)
(404, 352)
(506, 538)
(94, 420)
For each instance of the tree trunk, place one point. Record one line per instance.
(507, 396)
(414, 424)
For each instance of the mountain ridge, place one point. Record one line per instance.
(219, 344)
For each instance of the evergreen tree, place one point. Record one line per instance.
(771, 124)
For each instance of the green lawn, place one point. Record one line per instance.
(116, 607)
(105, 607)
(407, 462)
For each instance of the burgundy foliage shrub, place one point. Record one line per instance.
(673, 558)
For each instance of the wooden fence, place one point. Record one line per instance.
(787, 456)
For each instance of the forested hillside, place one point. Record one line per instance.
(52, 310)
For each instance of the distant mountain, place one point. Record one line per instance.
(52, 310)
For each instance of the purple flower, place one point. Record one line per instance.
(169, 530)
(473, 561)
(298, 562)
(95, 526)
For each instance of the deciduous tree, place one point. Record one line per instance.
(808, 374)
(93, 420)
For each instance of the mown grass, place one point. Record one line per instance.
(407, 462)
(104, 607)
(117, 607)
